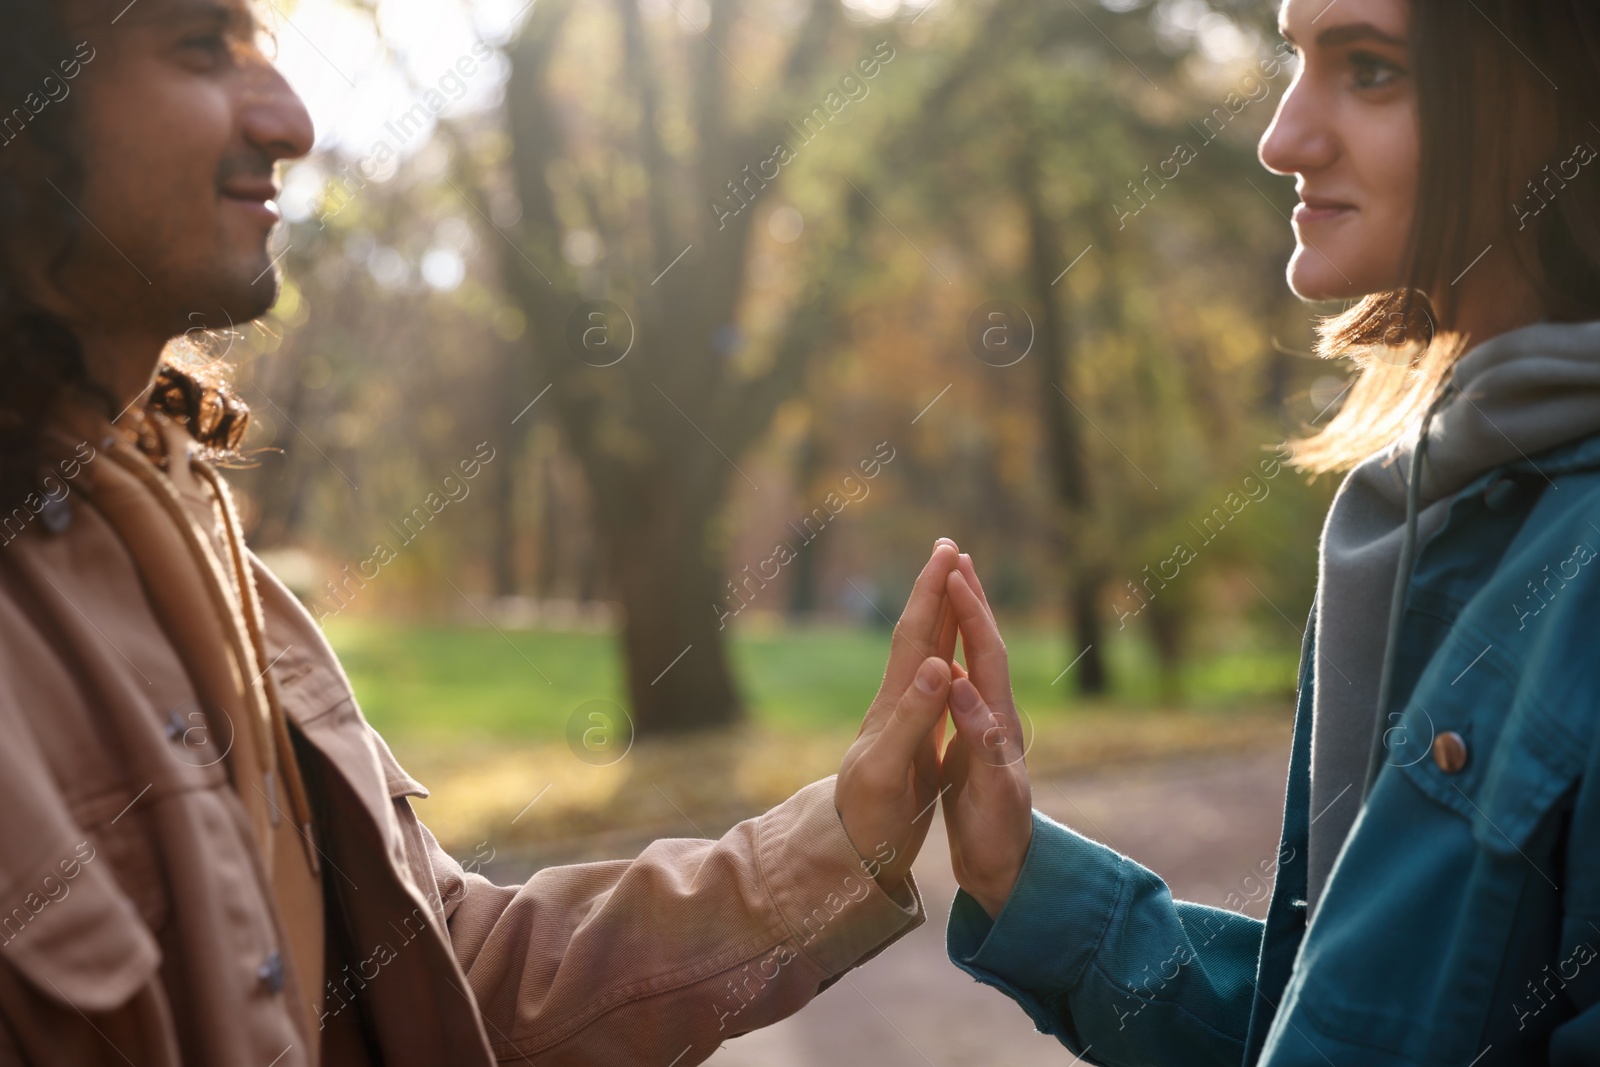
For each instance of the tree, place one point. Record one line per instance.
(1126, 374)
(1063, 421)
(651, 183)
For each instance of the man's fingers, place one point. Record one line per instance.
(917, 631)
(992, 735)
(926, 761)
(911, 721)
(948, 632)
(921, 618)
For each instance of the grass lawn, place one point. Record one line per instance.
(451, 683)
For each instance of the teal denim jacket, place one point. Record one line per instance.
(1461, 923)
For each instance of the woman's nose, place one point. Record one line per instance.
(1300, 138)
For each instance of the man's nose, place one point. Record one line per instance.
(275, 118)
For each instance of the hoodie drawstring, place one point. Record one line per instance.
(1402, 582)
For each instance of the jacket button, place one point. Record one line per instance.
(1450, 752)
(56, 515)
(1502, 495)
(271, 973)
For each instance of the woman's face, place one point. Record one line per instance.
(1347, 130)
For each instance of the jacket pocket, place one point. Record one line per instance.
(1521, 756)
(119, 836)
(73, 935)
(1416, 926)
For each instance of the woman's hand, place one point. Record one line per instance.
(889, 779)
(988, 804)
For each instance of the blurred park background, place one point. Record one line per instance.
(633, 353)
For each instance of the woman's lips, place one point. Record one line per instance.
(1308, 212)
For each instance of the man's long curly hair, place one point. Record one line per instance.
(40, 358)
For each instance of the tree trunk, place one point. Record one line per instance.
(807, 570)
(1063, 435)
(655, 432)
(1166, 629)
(505, 524)
(508, 384)
(1083, 608)
(549, 565)
(678, 672)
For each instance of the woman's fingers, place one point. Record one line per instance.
(988, 809)
(953, 775)
(980, 638)
(992, 734)
(967, 571)
(970, 573)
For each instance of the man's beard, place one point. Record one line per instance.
(228, 298)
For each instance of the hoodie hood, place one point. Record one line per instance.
(1512, 397)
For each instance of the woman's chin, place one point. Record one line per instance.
(1314, 279)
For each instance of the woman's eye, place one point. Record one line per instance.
(1374, 72)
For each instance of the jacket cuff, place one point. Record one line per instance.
(832, 907)
(1052, 924)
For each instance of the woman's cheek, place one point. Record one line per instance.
(1386, 144)
(1398, 151)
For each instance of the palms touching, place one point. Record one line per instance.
(893, 774)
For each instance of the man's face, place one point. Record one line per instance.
(180, 121)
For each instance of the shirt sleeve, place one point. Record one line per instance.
(661, 958)
(1093, 947)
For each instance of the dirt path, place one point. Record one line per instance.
(1205, 825)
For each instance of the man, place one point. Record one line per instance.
(207, 856)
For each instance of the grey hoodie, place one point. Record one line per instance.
(1514, 396)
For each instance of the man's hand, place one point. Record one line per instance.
(889, 779)
(988, 804)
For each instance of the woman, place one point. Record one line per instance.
(1437, 895)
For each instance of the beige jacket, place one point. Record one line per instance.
(208, 857)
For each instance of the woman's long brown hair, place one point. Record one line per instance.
(1504, 88)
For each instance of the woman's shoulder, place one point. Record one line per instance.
(1540, 608)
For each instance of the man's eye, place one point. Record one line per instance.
(209, 48)
(1374, 72)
